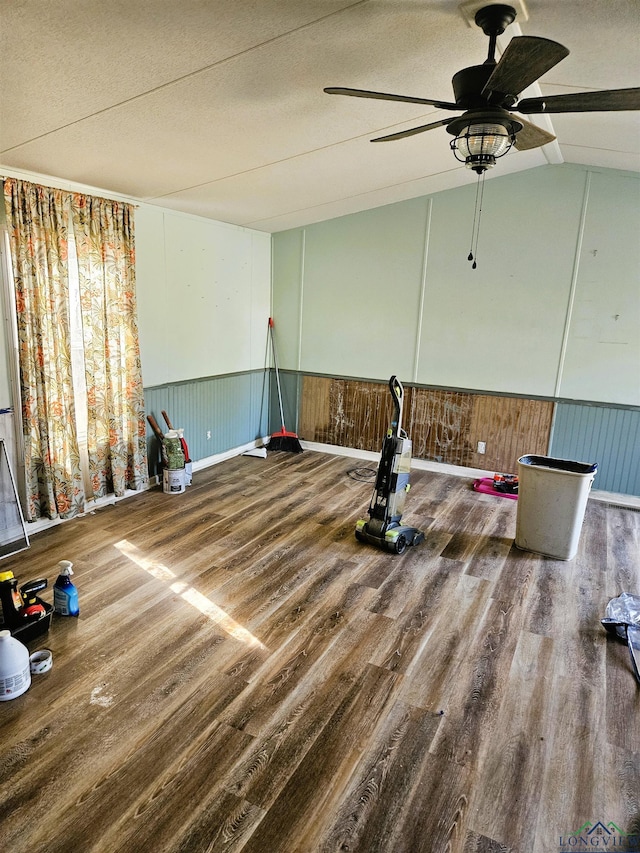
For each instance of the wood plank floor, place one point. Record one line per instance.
(246, 676)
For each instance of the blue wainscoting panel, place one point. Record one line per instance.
(608, 436)
(217, 413)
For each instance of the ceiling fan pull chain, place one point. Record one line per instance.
(475, 230)
(475, 215)
(481, 182)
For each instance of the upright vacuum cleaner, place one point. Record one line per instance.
(392, 484)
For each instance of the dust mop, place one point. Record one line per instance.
(281, 440)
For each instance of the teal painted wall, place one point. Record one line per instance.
(500, 327)
(217, 413)
(220, 413)
(552, 309)
(602, 359)
(608, 436)
(360, 291)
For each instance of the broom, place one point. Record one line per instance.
(281, 440)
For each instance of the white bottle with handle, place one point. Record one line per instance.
(15, 670)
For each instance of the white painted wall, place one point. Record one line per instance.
(603, 342)
(391, 291)
(203, 296)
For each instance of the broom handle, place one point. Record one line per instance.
(156, 429)
(275, 361)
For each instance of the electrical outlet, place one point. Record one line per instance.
(482, 447)
(208, 434)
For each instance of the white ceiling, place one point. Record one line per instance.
(215, 107)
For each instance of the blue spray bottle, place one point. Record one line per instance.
(65, 595)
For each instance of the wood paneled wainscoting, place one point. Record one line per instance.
(444, 426)
(246, 677)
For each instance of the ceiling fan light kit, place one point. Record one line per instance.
(481, 138)
(479, 145)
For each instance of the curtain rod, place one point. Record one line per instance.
(60, 184)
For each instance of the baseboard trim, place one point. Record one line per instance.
(630, 501)
(209, 461)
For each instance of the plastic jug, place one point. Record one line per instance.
(15, 670)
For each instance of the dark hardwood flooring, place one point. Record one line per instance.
(246, 676)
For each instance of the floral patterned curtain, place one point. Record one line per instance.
(116, 421)
(37, 219)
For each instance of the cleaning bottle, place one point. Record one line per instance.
(65, 595)
(10, 600)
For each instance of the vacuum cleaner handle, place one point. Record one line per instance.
(397, 393)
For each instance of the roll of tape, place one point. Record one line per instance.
(41, 661)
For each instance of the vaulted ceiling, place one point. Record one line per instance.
(216, 107)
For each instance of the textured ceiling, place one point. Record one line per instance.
(215, 107)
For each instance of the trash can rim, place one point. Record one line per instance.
(553, 463)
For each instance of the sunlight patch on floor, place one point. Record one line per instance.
(189, 594)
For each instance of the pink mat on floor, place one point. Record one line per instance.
(485, 485)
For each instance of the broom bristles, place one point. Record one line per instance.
(287, 441)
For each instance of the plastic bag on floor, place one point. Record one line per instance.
(622, 618)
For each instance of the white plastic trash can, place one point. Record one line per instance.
(552, 499)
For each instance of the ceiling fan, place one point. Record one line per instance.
(487, 93)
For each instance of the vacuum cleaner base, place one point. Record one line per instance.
(395, 538)
(384, 528)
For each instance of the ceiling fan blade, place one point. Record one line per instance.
(402, 133)
(383, 96)
(531, 136)
(525, 60)
(607, 100)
